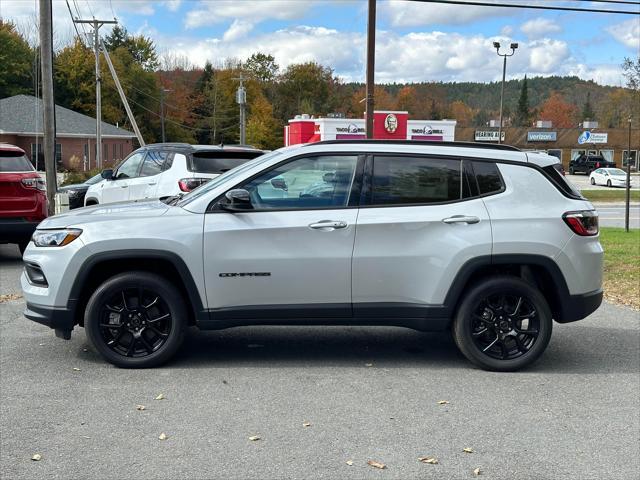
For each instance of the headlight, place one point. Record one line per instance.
(55, 238)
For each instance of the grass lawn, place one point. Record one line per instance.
(621, 266)
(617, 195)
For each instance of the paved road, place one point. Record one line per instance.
(613, 214)
(575, 414)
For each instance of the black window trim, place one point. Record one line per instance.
(354, 195)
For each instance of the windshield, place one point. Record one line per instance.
(95, 179)
(14, 162)
(226, 177)
(615, 171)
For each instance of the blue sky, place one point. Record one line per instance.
(416, 41)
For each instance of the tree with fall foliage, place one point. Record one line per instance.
(16, 61)
(561, 113)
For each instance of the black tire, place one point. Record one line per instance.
(149, 318)
(469, 323)
(608, 183)
(22, 246)
(571, 171)
(593, 181)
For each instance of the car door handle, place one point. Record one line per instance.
(461, 219)
(151, 183)
(124, 186)
(328, 225)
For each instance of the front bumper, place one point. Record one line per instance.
(16, 230)
(62, 320)
(577, 307)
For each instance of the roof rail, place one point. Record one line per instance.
(489, 146)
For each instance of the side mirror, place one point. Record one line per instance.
(107, 174)
(238, 200)
(279, 183)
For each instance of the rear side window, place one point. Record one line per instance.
(561, 182)
(219, 161)
(14, 162)
(153, 163)
(416, 180)
(487, 177)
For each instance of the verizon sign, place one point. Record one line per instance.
(488, 136)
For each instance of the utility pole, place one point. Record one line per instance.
(162, 92)
(241, 99)
(49, 126)
(496, 45)
(96, 47)
(371, 57)
(628, 196)
(123, 97)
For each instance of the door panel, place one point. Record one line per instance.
(410, 255)
(145, 184)
(117, 190)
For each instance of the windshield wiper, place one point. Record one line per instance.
(173, 199)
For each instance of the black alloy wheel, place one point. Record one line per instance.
(136, 320)
(503, 324)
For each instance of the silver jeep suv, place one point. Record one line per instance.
(485, 240)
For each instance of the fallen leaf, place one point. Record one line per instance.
(37, 457)
(9, 296)
(349, 462)
(476, 471)
(140, 407)
(160, 397)
(306, 424)
(76, 369)
(375, 464)
(443, 402)
(163, 436)
(467, 450)
(431, 460)
(368, 364)
(254, 438)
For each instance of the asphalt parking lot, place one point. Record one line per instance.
(367, 393)
(582, 182)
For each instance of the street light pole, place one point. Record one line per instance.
(628, 199)
(496, 45)
(371, 60)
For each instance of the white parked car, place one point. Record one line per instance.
(611, 177)
(485, 240)
(166, 169)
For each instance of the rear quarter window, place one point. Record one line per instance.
(562, 183)
(14, 162)
(219, 161)
(488, 178)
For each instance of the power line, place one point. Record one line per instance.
(534, 7)
(74, 23)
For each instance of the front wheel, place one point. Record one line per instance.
(136, 320)
(593, 181)
(608, 183)
(503, 324)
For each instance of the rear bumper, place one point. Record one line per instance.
(577, 307)
(60, 319)
(16, 229)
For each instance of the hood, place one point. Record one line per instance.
(106, 212)
(75, 186)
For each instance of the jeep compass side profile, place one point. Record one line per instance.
(485, 240)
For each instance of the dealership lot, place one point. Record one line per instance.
(368, 394)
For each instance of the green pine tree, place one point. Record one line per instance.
(587, 110)
(523, 114)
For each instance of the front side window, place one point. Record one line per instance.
(416, 180)
(130, 167)
(153, 162)
(310, 182)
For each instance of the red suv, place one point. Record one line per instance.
(23, 201)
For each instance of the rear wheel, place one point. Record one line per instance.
(503, 324)
(136, 320)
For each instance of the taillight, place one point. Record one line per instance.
(36, 183)
(188, 184)
(583, 223)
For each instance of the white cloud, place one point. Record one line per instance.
(546, 56)
(627, 33)
(209, 13)
(173, 5)
(506, 31)
(238, 29)
(412, 14)
(540, 27)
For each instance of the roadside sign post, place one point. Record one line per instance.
(628, 199)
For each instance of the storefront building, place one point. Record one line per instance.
(564, 143)
(391, 125)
